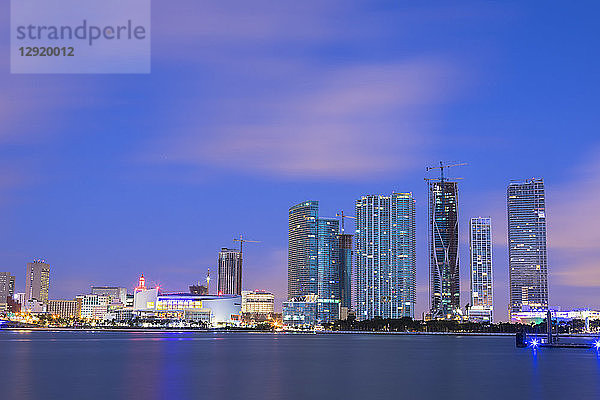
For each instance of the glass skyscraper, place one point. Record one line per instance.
(528, 262)
(480, 249)
(328, 269)
(319, 260)
(302, 249)
(444, 279)
(385, 256)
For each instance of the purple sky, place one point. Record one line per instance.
(254, 106)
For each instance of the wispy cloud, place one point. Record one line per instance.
(348, 122)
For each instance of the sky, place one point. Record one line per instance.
(252, 107)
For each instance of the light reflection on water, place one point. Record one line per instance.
(188, 365)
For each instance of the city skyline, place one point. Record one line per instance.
(109, 176)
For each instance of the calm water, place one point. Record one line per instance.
(115, 365)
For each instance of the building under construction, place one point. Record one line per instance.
(444, 278)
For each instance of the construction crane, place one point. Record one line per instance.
(242, 241)
(441, 167)
(342, 215)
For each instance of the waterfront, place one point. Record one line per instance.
(189, 365)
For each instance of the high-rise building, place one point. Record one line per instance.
(444, 279)
(385, 256)
(328, 260)
(480, 249)
(7, 286)
(302, 249)
(319, 260)
(116, 294)
(230, 272)
(528, 262)
(345, 266)
(37, 280)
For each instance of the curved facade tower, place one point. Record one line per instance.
(444, 279)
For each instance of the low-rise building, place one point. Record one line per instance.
(537, 316)
(300, 312)
(65, 308)
(214, 310)
(94, 306)
(116, 294)
(34, 306)
(257, 302)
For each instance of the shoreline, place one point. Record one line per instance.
(233, 331)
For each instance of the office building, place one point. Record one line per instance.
(528, 262)
(444, 278)
(302, 249)
(118, 295)
(385, 256)
(65, 308)
(230, 272)
(7, 287)
(257, 302)
(93, 306)
(480, 249)
(37, 280)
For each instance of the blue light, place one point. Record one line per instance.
(597, 344)
(534, 344)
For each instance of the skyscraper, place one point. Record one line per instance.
(319, 260)
(444, 280)
(385, 256)
(7, 286)
(302, 249)
(37, 281)
(328, 261)
(528, 262)
(345, 268)
(480, 249)
(230, 272)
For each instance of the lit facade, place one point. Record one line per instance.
(230, 272)
(528, 261)
(328, 261)
(302, 249)
(116, 294)
(214, 310)
(258, 302)
(7, 286)
(37, 281)
(300, 312)
(480, 249)
(444, 278)
(385, 256)
(65, 308)
(93, 306)
(537, 316)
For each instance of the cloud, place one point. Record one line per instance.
(573, 211)
(350, 122)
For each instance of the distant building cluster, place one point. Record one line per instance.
(377, 276)
(334, 275)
